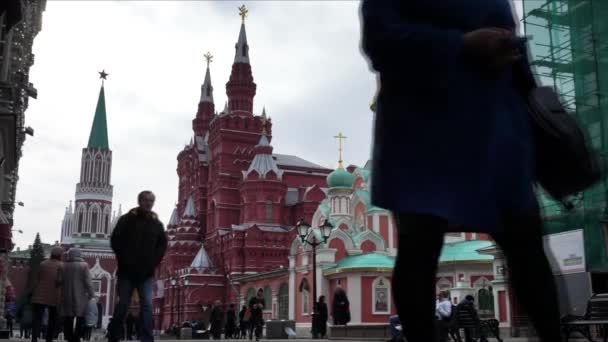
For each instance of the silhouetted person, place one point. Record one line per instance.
(139, 242)
(244, 318)
(130, 324)
(340, 307)
(77, 290)
(217, 320)
(46, 293)
(256, 322)
(230, 321)
(321, 316)
(468, 305)
(453, 147)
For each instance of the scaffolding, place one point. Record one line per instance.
(569, 50)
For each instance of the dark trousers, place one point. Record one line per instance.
(73, 333)
(125, 288)
(420, 243)
(37, 322)
(9, 326)
(255, 328)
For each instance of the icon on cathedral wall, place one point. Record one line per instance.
(381, 297)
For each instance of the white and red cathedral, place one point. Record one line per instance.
(233, 232)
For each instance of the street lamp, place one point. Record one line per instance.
(304, 231)
(172, 282)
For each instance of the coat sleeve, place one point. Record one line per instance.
(115, 239)
(390, 39)
(88, 283)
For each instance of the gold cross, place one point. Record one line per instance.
(243, 11)
(340, 137)
(264, 120)
(209, 57)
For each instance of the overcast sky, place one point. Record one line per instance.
(305, 59)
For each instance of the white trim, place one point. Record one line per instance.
(88, 196)
(391, 233)
(387, 286)
(376, 223)
(292, 292)
(353, 291)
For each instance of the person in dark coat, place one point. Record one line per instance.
(466, 308)
(244, 318)
(46, 293)
(130, 323)
(230, 321)
(217, 320)
(453, 147)
(340, 307)
(256, 322)
(321, 317)
(139, 242)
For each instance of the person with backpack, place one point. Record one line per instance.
(257, 306)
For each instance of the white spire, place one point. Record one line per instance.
(263, 162)
(70, 207)
(119, 210)
(174, 220)
(190, 210)
(201, 260)
(207, 88)
(242, 49)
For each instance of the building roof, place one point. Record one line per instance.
(289, 160)
(207, 88)
(190, 211)
(362, 261)
(340, 178)
(202, 260)
(174, 220)
(263, 162)
(99, 131)
(241, 54)
(465, 251)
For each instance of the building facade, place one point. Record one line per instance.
(237, 200)
(569, 52)
(20, 22)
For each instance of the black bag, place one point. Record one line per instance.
(565, 165)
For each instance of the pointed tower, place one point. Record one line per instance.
(206, 106)
(93, 205)
(241, 88)
(340, 183)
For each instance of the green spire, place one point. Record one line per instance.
(99, 131)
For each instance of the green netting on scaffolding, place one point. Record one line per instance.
(569, 50)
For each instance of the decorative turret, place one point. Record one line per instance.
(263, 163)
(206, 106)
(241, 88)
(340, 183)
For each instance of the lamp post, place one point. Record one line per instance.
(172, 282)
(304, 231)
(183, 283)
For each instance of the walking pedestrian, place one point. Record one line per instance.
(91, 317)
(467, 308)
(130, 323)
(77, 290)
(340, 307)
(139, 242)
(9, 322)
(244, 318)
(217, 320)
(256, 322)
(230, 321)
(453, 147)
(46, 293)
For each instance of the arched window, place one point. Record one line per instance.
(267, 298)
(268, 211)
(250, 294)
(284, 301)
(485, 298)
(305, 291)
(94, 219)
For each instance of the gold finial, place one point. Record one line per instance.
(340, 137)
(264, 120)
(243, 11)
(208, 57)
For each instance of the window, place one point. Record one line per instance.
(94, 216)
(250, 294)
(381, 296)
(305, 290)
(80, 221)
(267, 298)
(485, 298)
(268, 211)
(284, 301)
(96, 286)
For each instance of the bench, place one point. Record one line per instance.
(596, 315)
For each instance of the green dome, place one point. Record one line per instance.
(340, 178)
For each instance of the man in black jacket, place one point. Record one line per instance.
(139, 242)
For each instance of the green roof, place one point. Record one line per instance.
(99, 130)
(363, 172)
(368, 260)
(365, 197)
(340, 178)
(465, 251)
